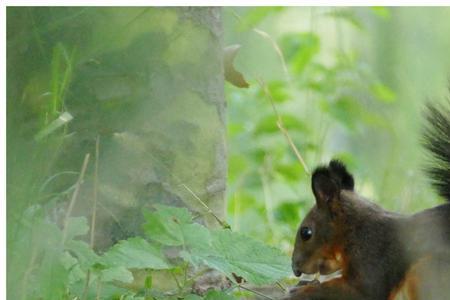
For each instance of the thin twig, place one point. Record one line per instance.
(180, 288)
(28, 273)
(255, 292)
(97, 296)
(209, 210)
(277, 50)
(274, 44)
(281, 125)
(95, 196)
(75, 195)
(86, 285)
(94, 216)
(281, 286)
(267, 196)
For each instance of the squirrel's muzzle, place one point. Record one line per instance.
(296, 268)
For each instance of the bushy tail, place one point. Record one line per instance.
(437, 141)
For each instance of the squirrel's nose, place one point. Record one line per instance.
(296, 269)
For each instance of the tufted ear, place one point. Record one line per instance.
(343, 178)
(327, 182)
(325, 189)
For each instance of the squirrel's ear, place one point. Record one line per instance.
(341, 175)
(324, 187)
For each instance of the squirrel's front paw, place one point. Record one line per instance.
(299, 292)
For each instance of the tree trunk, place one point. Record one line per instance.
(147, 82)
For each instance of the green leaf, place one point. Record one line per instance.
(383, 93)
(116, 274)
(291, 171)
(148, 282)
(135, 253)
(255, 15)
(192, 297)
(52, 276)
(218, 295)
(278, 90)
(269, 124)
(165, 224)
(61, 121)
(345, 110)
(299, 49)
(288, 212)
(347, 15)
(85, 255)
(195, 235)
(76, 226)
(223, 250)
(231, 252)
(381, 11)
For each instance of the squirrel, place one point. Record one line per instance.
(379, 253)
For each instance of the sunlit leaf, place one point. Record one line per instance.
(62, 120)
(299, 49)
(383, 93)
(288, 212)
(381, 11)
(269, 124)
(278, 90)
(292, 171)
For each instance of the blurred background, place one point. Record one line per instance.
(113, 110)
(352, 86)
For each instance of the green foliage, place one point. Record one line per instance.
(79, 73)
(348, 15)
(59, 268)
(299, 49)
(135, 253)
(235, 253)
(221, 249)
(328, 99)
(256, 15)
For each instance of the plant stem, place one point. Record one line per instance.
(94, 215)
(255, 292)
(95, 196)
(209, 210)
(75, 195)
(280, 125)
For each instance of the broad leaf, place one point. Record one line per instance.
(231, 252)
(85, 255)
(135, 253)
(300, 49)
(76, 226)
(165, 225)
(116, 274)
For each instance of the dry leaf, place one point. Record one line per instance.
(231, 74)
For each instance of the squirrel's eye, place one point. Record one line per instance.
(305, 233)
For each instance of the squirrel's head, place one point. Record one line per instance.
(317, 247)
